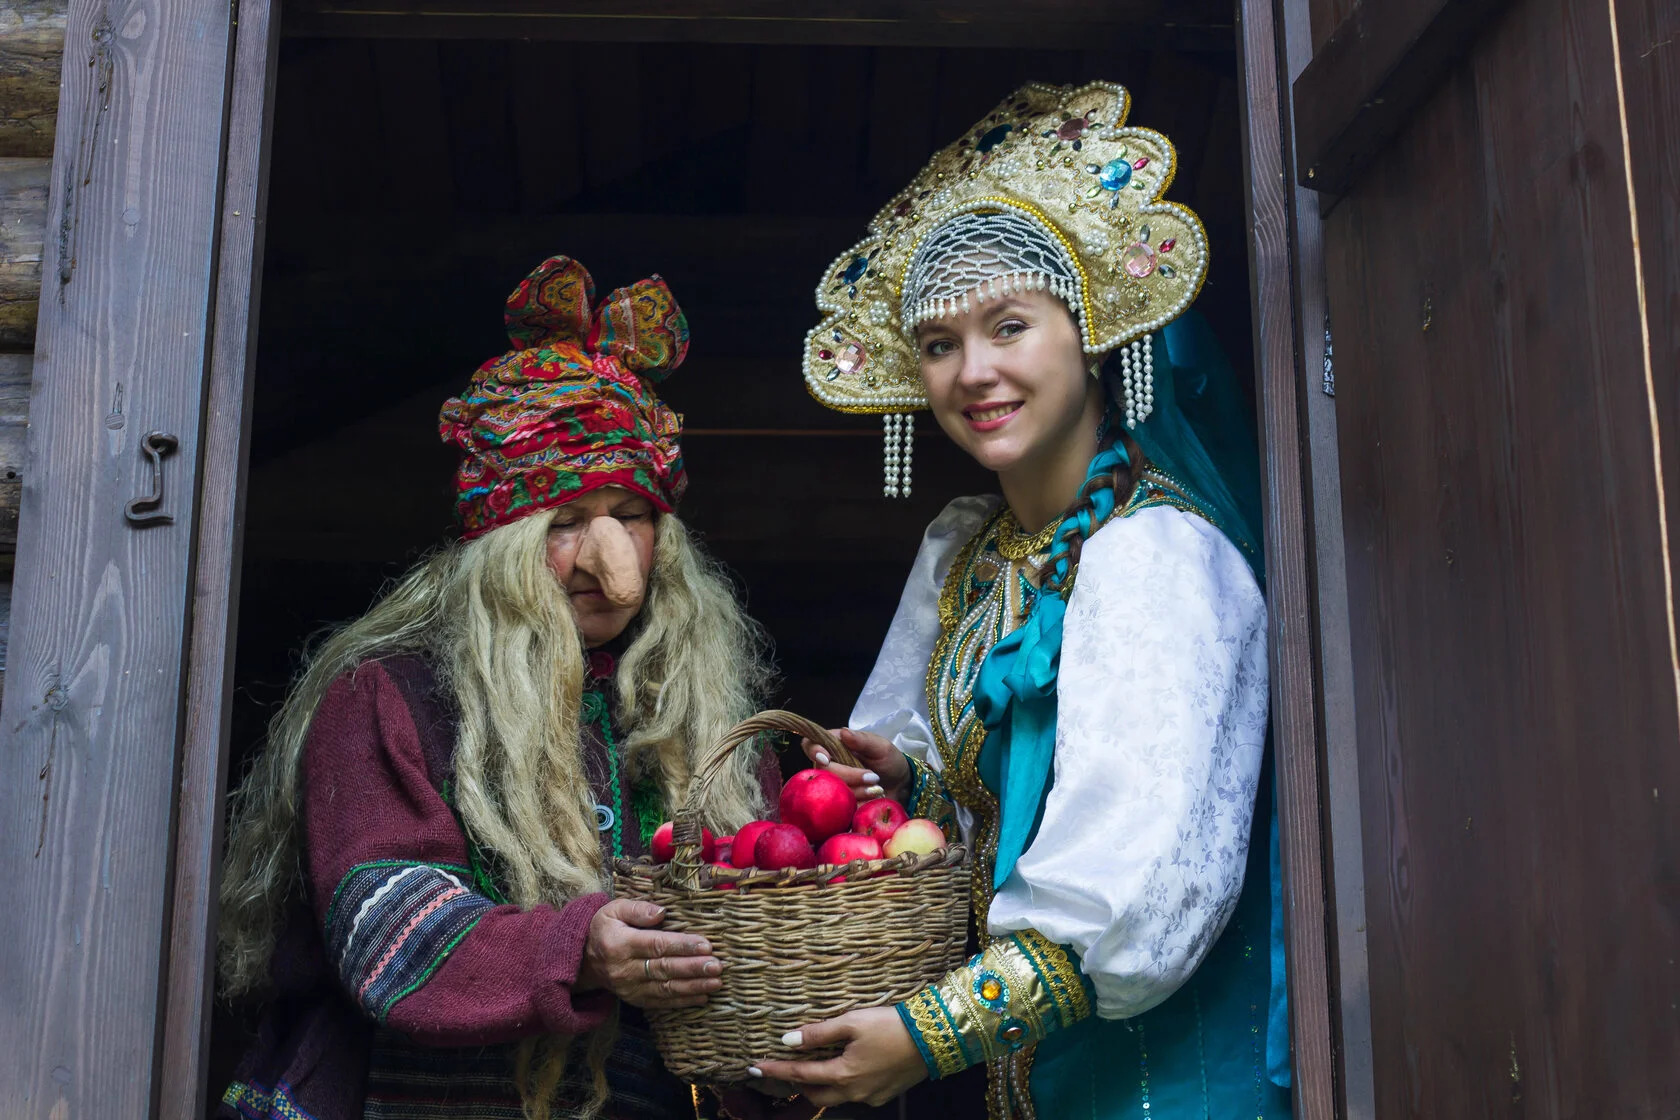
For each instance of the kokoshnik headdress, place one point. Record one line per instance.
(1052, 191)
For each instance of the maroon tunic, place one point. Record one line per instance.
(403, 978)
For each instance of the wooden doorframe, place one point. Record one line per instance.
(1287, 292)
(190, 969)
(1317, 777)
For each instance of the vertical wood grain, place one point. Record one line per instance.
(1295, 732)
(1515, 695)
(91, 713)
(189, 979)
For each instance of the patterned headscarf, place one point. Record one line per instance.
(571, 408)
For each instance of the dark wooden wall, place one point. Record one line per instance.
(1507, 340)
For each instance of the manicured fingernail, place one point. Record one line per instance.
(874, 791)
(822, 758)
(793, 1039)
(871, 778)
(754, 1071)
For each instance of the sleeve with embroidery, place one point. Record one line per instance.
(1162, 705)
(893, 703)
(1016, 992)
(416, 941)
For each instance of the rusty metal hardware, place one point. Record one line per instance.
(144, 510)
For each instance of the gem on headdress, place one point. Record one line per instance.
(993, 138)
(1143, 233)
(853, 357)
(1167, 271)
(1138, 259)
(1115, 174)
(832, 375)
(838, 337)
(854, 271)
(1140, 163)
(1073, 128)
(826, 354)
(1167, 245)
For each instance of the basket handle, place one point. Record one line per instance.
(685, 831)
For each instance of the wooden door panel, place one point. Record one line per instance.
(93, 698)
(1508, 592)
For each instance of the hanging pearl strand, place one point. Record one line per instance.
(909, 447)
(890, 438)
(1137, 377)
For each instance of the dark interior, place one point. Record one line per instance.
(415, 182)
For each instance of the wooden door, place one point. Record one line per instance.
(139, 360)
(1502, 261)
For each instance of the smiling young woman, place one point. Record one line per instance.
(1076, 677)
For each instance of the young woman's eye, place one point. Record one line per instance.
(938, 348)
(1009, 328)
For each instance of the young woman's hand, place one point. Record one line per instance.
(885, 771)
(642, 966)
(880, 1060)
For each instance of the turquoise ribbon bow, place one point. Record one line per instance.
(1015, 692)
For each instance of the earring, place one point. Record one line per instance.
(1137, 378)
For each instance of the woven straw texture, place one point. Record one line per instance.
(797, 946)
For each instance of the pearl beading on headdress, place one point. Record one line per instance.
(977, 257)
(898, 430)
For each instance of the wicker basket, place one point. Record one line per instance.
(797, 946)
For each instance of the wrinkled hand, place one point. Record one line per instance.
(885, 771)
(642, 966)
(880, 1060)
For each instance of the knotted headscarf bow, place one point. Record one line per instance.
(571, 408)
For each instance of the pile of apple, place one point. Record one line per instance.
(821, 823)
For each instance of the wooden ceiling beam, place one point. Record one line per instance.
(1044, 24)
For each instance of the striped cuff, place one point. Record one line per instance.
(928, 798)
(392, 924)
(1020, 990)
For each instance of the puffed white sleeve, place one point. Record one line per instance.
(1161, 722)
(893, 703)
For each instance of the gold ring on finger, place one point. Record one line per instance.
(647, 970)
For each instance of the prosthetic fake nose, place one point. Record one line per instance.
(608, 554)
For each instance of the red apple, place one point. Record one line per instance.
(741, 851)
(719, 849)
(915, 835)
(664, 847)
(723, 862)
(783, 845)
(818, 804)
(879, 819)
(847, 846)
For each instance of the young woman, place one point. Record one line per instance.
(1076, 675)
(418, 858)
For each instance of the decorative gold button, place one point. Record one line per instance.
(991, 989)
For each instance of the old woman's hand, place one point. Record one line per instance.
(642, 965)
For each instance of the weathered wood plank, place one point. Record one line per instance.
(1344, 840)
(1296, 732)
(23, 224)
(1516, 699)
(997, 23)
(1370, 76)
(31, 50)
(92, 711)
(14, 432)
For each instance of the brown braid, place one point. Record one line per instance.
(1124, 480)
